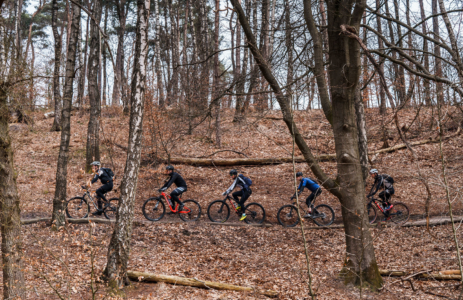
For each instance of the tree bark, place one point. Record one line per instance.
(59, 201)
(157, 53)
(362, 133)
(382, 95)
(118, 87)
(56, 85)
(437, 54)
(93, 130)
(216, 72)
(12, 264)
(427, 90)
(360, 265)
(119, 247)
(83, 71)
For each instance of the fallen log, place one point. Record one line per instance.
(283, 160)
(422, 275)
(150, 277)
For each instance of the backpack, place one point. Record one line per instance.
(247, 180)
(388, 178)
(109, 172)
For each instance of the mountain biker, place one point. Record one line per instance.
(243, 183)
(312, 186)
(179, 182)
(104, 175)
(382, 181)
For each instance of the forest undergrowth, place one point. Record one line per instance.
(270, 258)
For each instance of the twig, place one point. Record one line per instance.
(237, 152)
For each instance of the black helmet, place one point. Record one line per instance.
(233, 172)
(299, 174)
(169, 168)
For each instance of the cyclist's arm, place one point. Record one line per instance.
(170, 181)
(375, 185)
(232, 187)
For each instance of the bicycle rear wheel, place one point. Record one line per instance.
(255, 213)
(287, 216)
(77, 208)
(399, 213)
(323, 215)
(154, 209)
(111, 210)
(193, 211)
(218, 211)
(371, 213)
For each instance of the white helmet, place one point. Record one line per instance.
(95, 163)
(374, 171)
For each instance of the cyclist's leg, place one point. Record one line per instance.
(176, 193)
(236, 195)
(102, 191)
(244, 197)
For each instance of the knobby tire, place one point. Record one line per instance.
(77, 208)
(218, 211)
(154, 209)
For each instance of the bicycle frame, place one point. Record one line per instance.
(87, 193)
(185, 210)
(229, 198)
(375, 201)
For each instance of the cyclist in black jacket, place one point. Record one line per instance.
(179, 182)
(382, 181)
(106, 180)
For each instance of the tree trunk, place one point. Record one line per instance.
(427, 89)
(119, 247)
(56, 85)
(93, 136)
(13, 278)
(400, 77)
(362, 133)
(360, 266)
(157, 53)
(59, 201)
(83, 63)
(118, 80)
(105, 95)
(289, 49)
(216, 72)
(437, 53)
(382, 94)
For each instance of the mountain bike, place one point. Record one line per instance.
(79, 207)
(154, 208)
(398, 214)
(219, 211)
(322, 215)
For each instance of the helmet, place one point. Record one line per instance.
(169, 168)
(298, 174)
(374, 171)
(233, 172)
(95, 163)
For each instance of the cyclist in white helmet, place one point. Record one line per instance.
(385, 182)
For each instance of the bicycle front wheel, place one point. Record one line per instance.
(77, 208)
(111, 210)
(218, 211)
(399, 213)
(154, 209)
(192, 211)
(371, 213)
(255, 213)
(287, 216)
(323, 215)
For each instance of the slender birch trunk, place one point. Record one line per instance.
(93, 130)
(119, 247)
(56, 85)
(59, 201)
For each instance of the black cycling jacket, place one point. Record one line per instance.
(380, 182)
(175, 178)
(102, 175)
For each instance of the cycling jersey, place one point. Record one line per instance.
(381, 182)
(102, 176)
(174, 178)
(240, 182)
(308, 183)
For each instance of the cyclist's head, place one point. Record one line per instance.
(298, 175)
(233, 173)
(169, 169)
(374, 173)
(95, 165)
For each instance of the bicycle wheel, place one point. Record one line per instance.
(111, 210)
(77, 208)
(194, 211)
(218, 211)
(323, 215)
(371, 213)
(154, 209)
(399, 213)
(287, 216)
(255, 213)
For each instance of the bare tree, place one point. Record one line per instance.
(119, 247)
(56, 86)
(59, 201)
(93, 132)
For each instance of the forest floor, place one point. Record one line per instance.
(268, 258)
